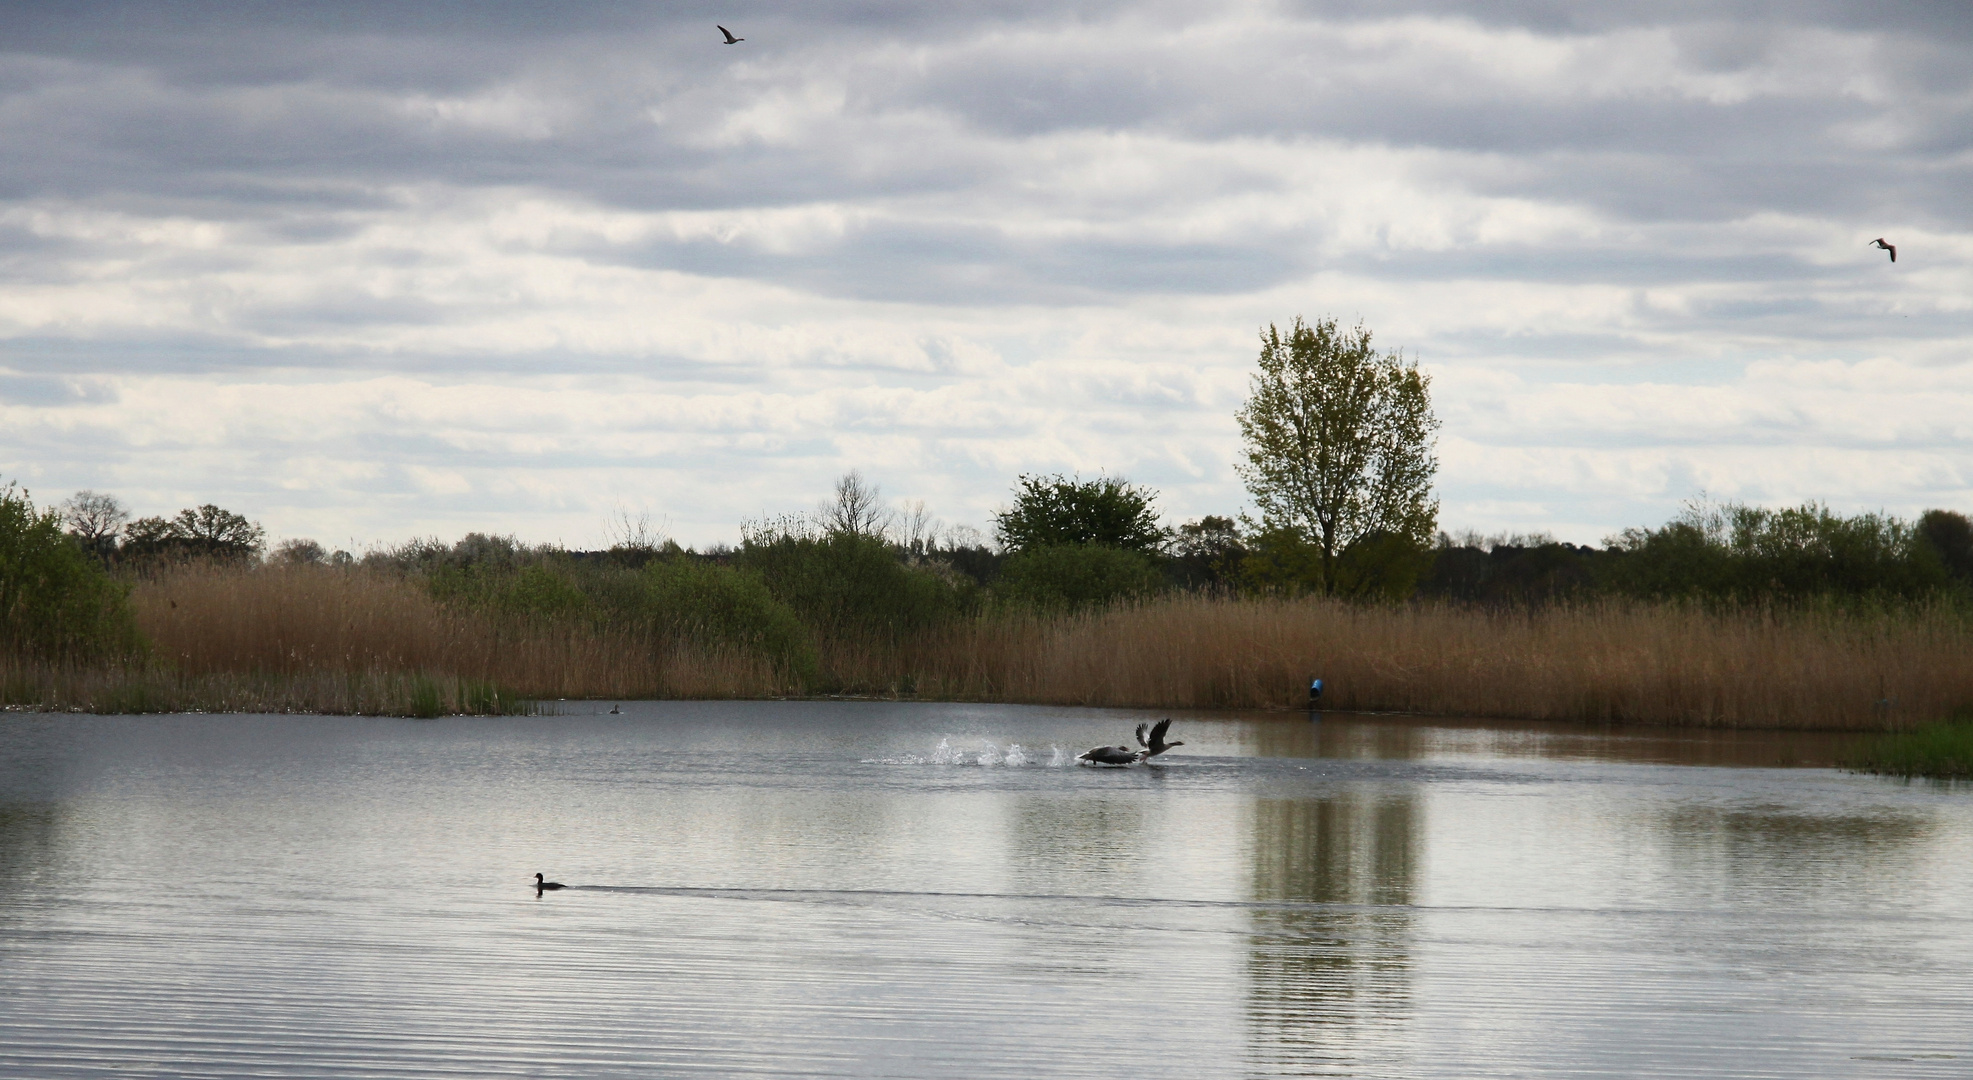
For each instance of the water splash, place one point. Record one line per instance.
(988, 755)
(947, 754)
(1059, 758)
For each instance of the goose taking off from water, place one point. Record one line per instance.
(1157, 744)
(1879, 243)
(730, 39)
(1149, 736)
(1110, 755)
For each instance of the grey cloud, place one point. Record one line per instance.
(930, 262)
(1565, 16)
(45, 390)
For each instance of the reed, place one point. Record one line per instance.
(328, 639)
(1609, 662)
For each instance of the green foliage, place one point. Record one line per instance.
(1950, 536)
(1207, 553)
(852, 583)
(705, 603)
(1730, 552)
(56, 603)
(1051, 511)
(1380, 566)
(1942, 750)
(1339, 448)
(426, 700)
(1512, 571)
(1282, 560)
(1076, 576)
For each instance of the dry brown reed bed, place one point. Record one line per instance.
(1610, 662)
(353, 641)
(347, 640)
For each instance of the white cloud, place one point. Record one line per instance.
(372, 289)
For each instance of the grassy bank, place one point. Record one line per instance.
(356, 640)
(1943, 750)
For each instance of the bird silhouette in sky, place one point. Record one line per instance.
(1892, 248)
(730, 39)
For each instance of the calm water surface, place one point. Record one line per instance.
(858, 889)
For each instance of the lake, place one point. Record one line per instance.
(926, 890)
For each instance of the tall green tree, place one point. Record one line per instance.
(1339, 445)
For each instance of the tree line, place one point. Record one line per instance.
(1337, 457)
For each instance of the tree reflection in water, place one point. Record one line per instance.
(1329, 971)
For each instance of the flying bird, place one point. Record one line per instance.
(1892, 248)
(730, 39)
(1157, 744)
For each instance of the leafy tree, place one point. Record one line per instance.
(1339, 444)
(1051, 511)
(55, 602)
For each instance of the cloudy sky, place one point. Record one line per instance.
(373, 271)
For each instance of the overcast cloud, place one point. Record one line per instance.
(365, 272)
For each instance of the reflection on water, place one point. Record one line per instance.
(1327, 983)
(858, 889)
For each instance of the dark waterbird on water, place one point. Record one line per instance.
(1109, 755)
(1124, 755)
(1879, 243)
(541, 886)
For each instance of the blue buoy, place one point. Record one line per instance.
(1315, 691)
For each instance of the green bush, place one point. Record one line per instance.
(846, 583)
(1053, 511)
(707, 604)
(56, 603)
(1075, 576)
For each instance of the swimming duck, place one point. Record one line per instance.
(540, 885)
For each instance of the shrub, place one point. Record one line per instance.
(1074, 576)
(706, 604)
(847, 583)
(56, 603)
